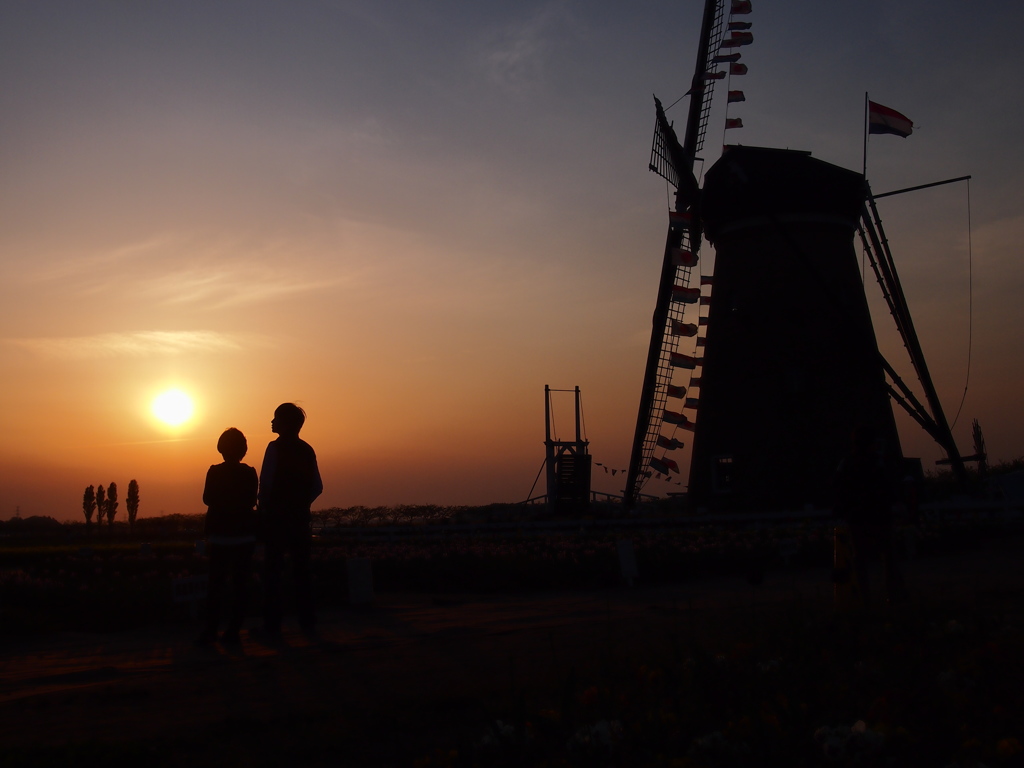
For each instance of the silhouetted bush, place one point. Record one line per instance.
(31, 525)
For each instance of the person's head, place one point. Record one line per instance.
(288, 419)
(232, 445)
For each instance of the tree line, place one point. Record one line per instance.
(104, 501)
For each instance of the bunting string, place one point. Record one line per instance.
(739, 35)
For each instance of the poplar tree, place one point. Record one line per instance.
(101, 504)
(89, 505)
(131, 503)
(111, 504)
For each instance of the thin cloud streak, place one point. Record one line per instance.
(138, 344)
(229, 287)
(216, 273)
(81, 265)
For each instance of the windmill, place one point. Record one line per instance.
(784, 364)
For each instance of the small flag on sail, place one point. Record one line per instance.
(702, 320)
(735, 96)
(726, 58)
(733, 25)
(702, 342)
(707, 280)
(695, 381)
(678, 419)
(679, 219)
(691, 402)
(705, 300)
(736, 39)
(737, 69)
(884, 120)
(740, 7)
(674, 391)
(733, 122)
(683, 258)
(714, 75)
(669, 443)
(679, 328)
(659, 466)
(684, 295)
(679, 360)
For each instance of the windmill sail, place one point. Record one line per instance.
(674, 161)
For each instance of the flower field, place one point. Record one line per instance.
(905, 689)
(107, 583)
(936, 681)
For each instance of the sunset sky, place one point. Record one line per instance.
(410, 217)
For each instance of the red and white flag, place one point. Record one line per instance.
(733, 122)
(737, 39)
(671, 417)
(740, 7)
(684, 295)
(737, 69)
(669, 443)
(735, 96)
(882, 119)
(679, 360)
(683, 258)
(679, 328)
(659, 468)
(679, 219)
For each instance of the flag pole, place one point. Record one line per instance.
(865, 124)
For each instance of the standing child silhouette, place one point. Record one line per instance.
(230, 496)
(289, 483)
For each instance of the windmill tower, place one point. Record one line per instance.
(791, 366)
(787, 365)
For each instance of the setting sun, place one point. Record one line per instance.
(173, 407)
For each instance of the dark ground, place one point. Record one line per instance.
(415, 679)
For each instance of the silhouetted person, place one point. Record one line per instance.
(289, 483)
(865, 492)
(230, 497)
